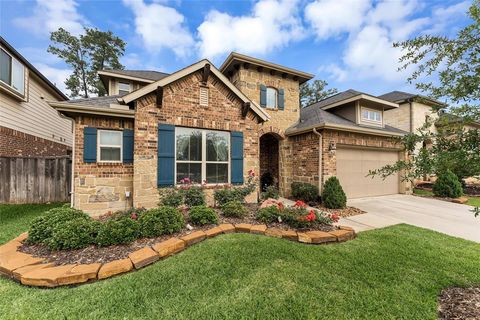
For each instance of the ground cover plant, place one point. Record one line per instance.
(248, 276)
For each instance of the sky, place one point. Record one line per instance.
(348, 43)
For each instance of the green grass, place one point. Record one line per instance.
(473, 201)
(391, 273)
(423, 193)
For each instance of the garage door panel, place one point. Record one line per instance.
(354, 164)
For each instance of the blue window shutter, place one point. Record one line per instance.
(281, 99)
(127, 146)
(263, 96)
(166, 155)
(89, 144)
(236, 146)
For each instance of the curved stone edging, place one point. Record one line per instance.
(32, 271)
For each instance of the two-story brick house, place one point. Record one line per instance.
(214, 125)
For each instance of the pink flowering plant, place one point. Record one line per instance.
(298, 216)
(236, 193)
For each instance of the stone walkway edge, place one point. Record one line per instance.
(32, 271)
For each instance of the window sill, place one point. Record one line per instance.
(11, 92)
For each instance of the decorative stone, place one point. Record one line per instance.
(346, 228)
(258, 229)
(79, 274)
(169, 247)
(13, 260)
(342, 235)
(115, 267)
(274, 232)
(227, 228)
(316, 237)
(143, 257)
(47, 277)
(194, 237)
(9, 247)
(460, 200)
(213, 232)
(18, 273)
(290, 235)
(270, 202)
(22, 237)
(243, 227)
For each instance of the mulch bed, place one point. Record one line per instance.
(94, 254)
(343, 213)
(459, 303)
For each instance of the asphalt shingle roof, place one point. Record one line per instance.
(144, 74)
(336, 98)
(99, 102)
(396, 96)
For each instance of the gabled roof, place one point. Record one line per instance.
(316, 117)
(350, 96)
(400, 97)
(32, 68)
(101, 102)
(186, 71)
(236, 58)
(139, 75)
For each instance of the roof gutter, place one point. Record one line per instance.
(67, 108)
(344, 128)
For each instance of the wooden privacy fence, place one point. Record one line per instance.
(35, 180)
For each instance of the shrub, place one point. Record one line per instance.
(42, 227)
(295, 217)
(194, 196)
(234, 209)
(74, 234)
(223, 196)
(304, 191)
(268, 214)
(117, 231)
(158, 221)
(171, 198)
(201, 215)
(333, 196)
(447, 185)
(270, 192)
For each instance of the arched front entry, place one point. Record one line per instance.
(269, 160)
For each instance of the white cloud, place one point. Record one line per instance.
(161, 27)
(56, 75)
(271, 25)
(330, 18)
(49, 15)
(446, 15)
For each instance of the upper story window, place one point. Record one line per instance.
(272, 98)
(109, 146)
(12, 72)
(124, 87)
(371, 115)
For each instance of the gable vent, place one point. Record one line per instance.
(204, 96)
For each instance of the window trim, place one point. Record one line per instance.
(276, 98)
(204, 162)
(99, 146)
(130, 86)
(10, 86)
(362, 109)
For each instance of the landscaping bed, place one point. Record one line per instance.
(459, 303)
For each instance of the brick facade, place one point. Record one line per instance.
(100, 187)
(15, 143)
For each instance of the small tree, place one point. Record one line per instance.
(333, 196)
(447, 185)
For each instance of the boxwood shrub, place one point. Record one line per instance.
(304, 191)
(74, 234)
(333, 196)
(268, 214)
(118, 231)
(447, 185)
(201, 215)
(194, 196)
(234, 209)
(171, 198)
(158, 221)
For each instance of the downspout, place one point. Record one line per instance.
(320, 160)
(410, 102)
(72, 177)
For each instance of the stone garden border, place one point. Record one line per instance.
(31, 271)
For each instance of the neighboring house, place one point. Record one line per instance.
(29, 127)
(214, 125)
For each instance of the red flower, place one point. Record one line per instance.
(134, 216)
(251, 173)
(311, 216)
(334, 217)
(300, 203)
(280, 205)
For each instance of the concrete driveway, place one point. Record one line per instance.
(446, 217)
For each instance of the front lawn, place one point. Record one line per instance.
(391, 273)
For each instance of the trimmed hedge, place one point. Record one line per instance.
(223, 196)
(74, 234)
(447, 185)
(201, 215)
(172, 198)
(268, 214)
(304, 191)
(333, 196)
(159, 221)
(194, 196)
(118, 231)
(234, 209)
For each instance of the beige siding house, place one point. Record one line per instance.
(29, 126)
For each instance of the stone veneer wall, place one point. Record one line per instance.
(180, 107)
(100, 187)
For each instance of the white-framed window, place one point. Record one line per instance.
(124, 87)
(109, 146)
(272, 98)
(12, 72)
(371, 115)
(202, 155)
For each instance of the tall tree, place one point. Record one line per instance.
(311, 92)
(86, 54)
(454, 63)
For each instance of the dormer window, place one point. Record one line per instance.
(12, 72)
(272, 98)
(123, 87)
(370, 115)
